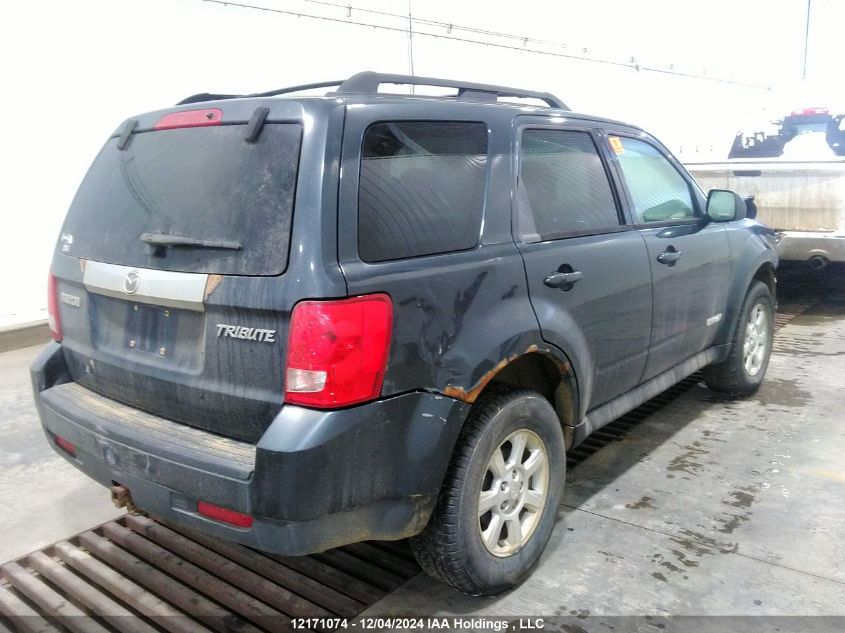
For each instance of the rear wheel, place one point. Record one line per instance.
(499, 502)
(741, 373)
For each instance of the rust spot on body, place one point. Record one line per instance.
(471, 395)
(211, 284)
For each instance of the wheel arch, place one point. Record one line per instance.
(763, 271)
(545, 370)
(766, 274)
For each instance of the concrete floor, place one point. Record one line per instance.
(42, 497)
(708, 507)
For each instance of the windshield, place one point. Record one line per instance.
(191, 200)
(800, 136)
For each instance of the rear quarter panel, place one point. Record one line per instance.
(458, 317)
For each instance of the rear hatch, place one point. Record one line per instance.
(182, 230)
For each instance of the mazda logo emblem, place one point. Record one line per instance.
(131, 283)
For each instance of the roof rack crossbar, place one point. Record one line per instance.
(369, 82)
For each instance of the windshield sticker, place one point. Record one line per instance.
(67, 241)
(616, 144)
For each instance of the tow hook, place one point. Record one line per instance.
(122, 498)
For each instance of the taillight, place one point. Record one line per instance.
(54, 320)
(225, 515)
(337, 351)
(190, 118)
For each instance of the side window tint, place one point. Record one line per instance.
(563, 186)
(659, 192)
(422, 188)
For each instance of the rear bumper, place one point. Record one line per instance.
(315, 480)
(805, 245)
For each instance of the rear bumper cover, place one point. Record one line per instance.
(803, 245)
(315, 480)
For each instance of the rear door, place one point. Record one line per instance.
(588, 271)
(689, 257)
(180, 236)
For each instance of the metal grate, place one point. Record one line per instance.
(616, 430)
(788, 310)
(174, 579)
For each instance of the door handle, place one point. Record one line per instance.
(563, 281)
(669, 257)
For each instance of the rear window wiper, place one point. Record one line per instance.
(163, 240)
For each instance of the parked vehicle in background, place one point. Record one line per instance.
(796, 174)
(300, 322)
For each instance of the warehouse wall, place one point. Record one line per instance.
(74, 70)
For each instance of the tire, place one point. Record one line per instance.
(737, 375)
(452, 548)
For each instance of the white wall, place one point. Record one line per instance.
(74, 70)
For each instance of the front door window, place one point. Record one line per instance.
(659, 193)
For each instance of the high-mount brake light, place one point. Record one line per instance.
(809, 111)
(54, 320)
(338, 350)
(190, 118)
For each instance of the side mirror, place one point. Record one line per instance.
(724, 205)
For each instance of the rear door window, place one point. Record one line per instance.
(421, 189)
(205, 184)
(563, 186)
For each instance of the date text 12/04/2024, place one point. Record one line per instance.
(432, 623)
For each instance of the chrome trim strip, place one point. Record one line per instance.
(158, 287)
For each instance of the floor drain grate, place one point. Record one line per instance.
(181, 581)
(616, 430)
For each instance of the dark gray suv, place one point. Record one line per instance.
(296, 322)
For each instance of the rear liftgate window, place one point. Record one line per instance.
(190, 185)
(422, 188)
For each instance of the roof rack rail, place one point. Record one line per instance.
(368, 82)
(205, 96)
(300, 88)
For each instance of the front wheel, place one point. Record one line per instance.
(741, 373)
(499, 502)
